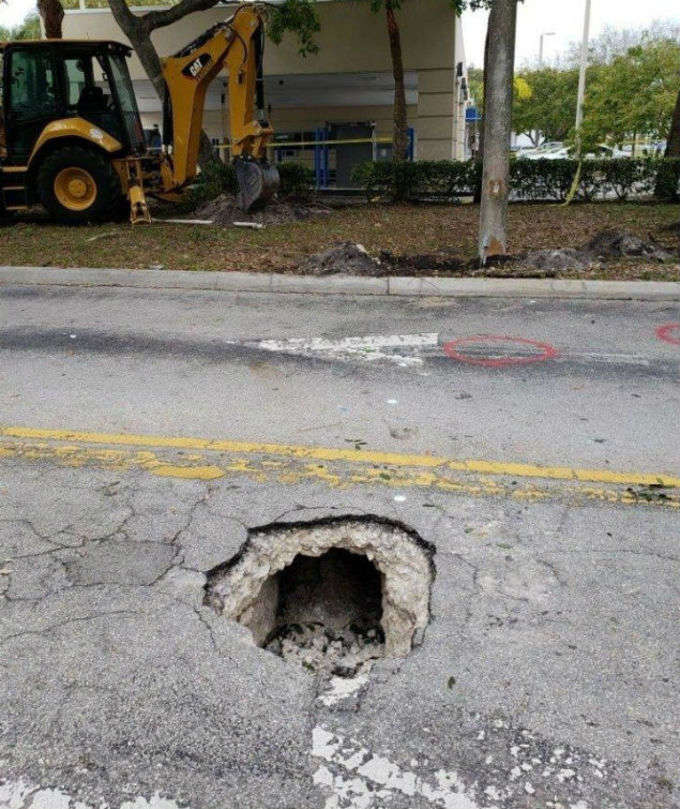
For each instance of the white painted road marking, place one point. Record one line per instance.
(369, 348)
(20, 794)
(372, 780)
(353, 777)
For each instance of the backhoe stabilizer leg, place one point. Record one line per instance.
(139, 210)
(258, 181)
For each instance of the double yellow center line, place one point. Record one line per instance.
(206, 459)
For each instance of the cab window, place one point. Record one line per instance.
(86, 91)
(33, 86)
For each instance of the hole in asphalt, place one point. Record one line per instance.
(331, 595)
(328, 613)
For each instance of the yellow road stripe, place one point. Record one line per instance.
(374, 458)
(167, 462)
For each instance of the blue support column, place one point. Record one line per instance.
(410, 150)
(321, 158)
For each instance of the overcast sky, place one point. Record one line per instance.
(564, 17)
(15, 11)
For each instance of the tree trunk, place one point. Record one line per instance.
(52, 14)
(668, 176)
(400, 135)
(497, 129)
(480, 153)
(484, 87)
(673, 144)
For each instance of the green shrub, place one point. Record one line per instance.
(215, 179)
(542, 179)
(297, 180)
(529, 179)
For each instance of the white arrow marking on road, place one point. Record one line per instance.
(369, 348)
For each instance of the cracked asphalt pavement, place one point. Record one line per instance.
(548, 675)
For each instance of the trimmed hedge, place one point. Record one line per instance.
(297, 180)
(530, 179)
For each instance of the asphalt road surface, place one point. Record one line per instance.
(532, 446)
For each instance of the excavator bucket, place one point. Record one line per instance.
(258, 181)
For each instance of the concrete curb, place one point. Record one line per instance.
(344, 284)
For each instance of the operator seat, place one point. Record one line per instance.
(92, 99)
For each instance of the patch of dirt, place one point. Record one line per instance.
(442, 261)
(672, 228)
(223, 210)
(567, 258)
(609, 245)
(347, 258)
(614, 244)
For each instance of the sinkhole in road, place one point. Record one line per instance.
(331, 595)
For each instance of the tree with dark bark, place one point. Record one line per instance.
(673, 143)
(296, 15)
(668, 177)
(400, 120)
(500, 64)
(52, 14)
(400, 132)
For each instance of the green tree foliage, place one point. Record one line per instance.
(28, 29)
(300, 17)
(635, 93)
(550, 110)
(476, 85)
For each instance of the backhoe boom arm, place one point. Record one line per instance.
(236, 45)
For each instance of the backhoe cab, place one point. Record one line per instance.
(71, 136)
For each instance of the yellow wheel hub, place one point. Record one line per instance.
(75, 188)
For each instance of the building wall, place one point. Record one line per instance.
(352, 40)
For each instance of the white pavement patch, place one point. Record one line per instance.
(367, 781)
(402, 349)
(20, 794)
(339, 688)
(353, 777)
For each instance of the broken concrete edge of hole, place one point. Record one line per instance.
(244, 588)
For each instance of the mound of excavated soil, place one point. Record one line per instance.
(223, 210)
(613, 244)
(566, 258)
(346, 257)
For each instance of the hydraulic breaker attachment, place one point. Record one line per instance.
(258, 181)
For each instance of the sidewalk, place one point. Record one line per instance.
(345, 285)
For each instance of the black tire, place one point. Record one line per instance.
(107, 188)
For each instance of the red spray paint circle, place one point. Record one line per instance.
(453, 350)
(670, 333)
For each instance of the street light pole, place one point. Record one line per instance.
(579, 103)
(582, 74)
(540, 47)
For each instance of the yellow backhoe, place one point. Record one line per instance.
(71, 136)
